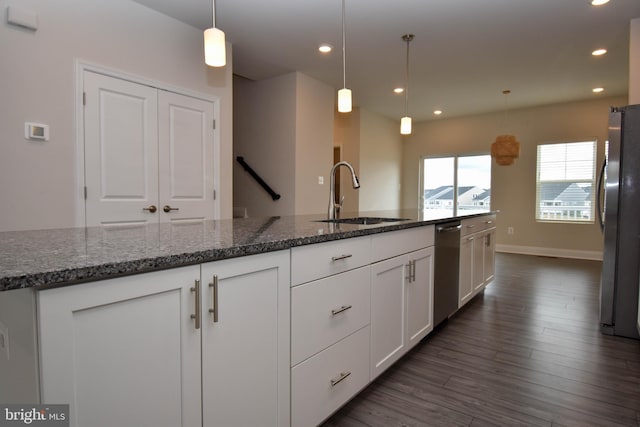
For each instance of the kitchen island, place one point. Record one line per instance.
(196, 316)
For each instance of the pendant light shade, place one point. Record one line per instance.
(215, 54)
(405, 122)
(506, 149)
(344, 100)
(344, 94)
(405, 125)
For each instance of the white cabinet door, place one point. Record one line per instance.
(465, 287)
(123, 352)
(420, 296)
(477, 263)
(489, 255)
(388, 336)
(245, 348)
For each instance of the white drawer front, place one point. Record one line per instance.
(314, 392)
(473, 225)
(394, 243)
(320, 260)
(327, 310)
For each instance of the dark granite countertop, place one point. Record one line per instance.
(43, 259)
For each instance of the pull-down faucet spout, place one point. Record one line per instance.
(333, 206)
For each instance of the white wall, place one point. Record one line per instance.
(314, 144)
(634, 62)
(38, 181)
(264, 135)
(380, 162)
(284, 130)
(346, 135)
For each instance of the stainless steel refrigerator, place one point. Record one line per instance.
(620, 221)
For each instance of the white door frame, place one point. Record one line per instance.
(80, 178)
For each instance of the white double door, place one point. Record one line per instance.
(149, 154)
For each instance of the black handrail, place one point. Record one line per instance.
(274, 195)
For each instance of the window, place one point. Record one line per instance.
(565, 183)
(457, 185)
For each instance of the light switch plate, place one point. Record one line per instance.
(4, 340)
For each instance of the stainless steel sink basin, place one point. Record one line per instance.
(362, 220)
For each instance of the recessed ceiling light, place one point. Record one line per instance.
(599, 2)
(597, 89)
(325, 48)
(437, 112)
(599, 52)
(398, 90)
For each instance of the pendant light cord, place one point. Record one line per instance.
(213, 12)
(344, 50)
(407, 38)
(506, 93)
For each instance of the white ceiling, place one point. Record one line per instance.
(465, 52)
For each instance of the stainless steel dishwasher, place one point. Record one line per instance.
(446, 271)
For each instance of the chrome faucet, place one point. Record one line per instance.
(333, 206)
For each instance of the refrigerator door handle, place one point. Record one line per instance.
(600, 195)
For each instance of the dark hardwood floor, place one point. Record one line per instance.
(527, 352)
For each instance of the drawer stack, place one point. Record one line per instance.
(330, 315)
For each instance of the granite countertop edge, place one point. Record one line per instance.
(58, 277)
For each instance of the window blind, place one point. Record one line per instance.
(565, 182)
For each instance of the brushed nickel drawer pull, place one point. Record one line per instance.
(214, 303)
(197, 316)
(338, 258)
(340, 310)
(342, 377)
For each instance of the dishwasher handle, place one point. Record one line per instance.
(448, 229)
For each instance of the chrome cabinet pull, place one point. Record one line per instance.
(214, 303)
(151, 209)
(168, 208)
(197, 316)
(341, 377)
(338, 258)
(340, 310)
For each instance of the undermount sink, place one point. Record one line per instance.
(362, 220)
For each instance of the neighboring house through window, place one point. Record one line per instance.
(456, 185)
(565, 183)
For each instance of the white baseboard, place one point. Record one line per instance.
(553, 252)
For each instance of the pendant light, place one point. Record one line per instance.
(214, 44)
(506, 148)
(405, 122)
(344, 94)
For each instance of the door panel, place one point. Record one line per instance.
(186, 157)
(102, 343)
(121, 152)
(420, 296)
(387, 313)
